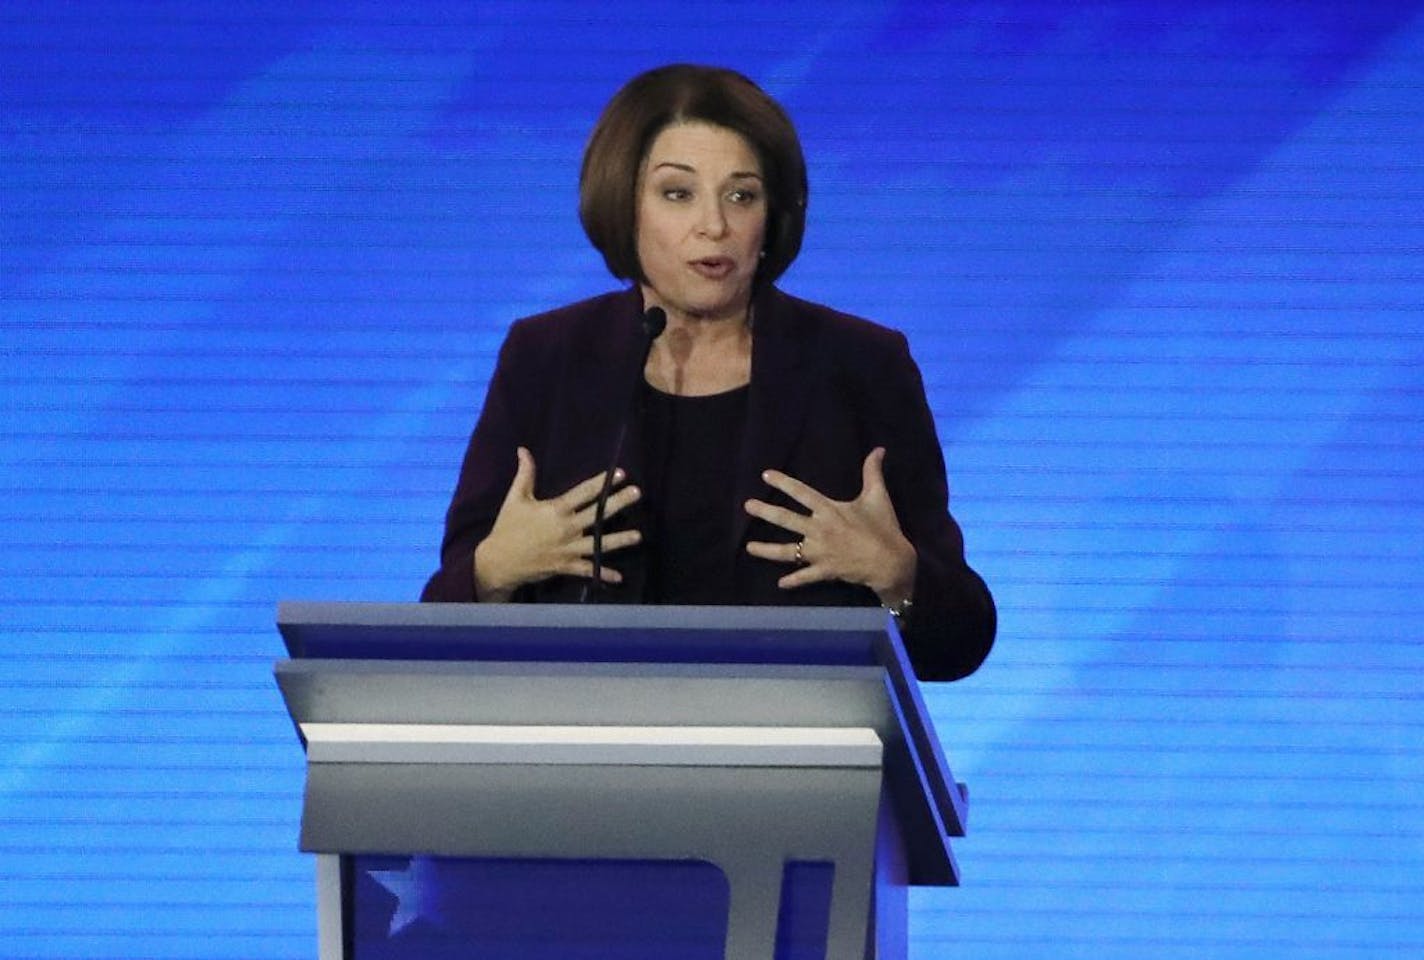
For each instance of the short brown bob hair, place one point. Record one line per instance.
(682, 93)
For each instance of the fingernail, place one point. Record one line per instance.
(619, 474)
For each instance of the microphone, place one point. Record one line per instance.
(654, 321)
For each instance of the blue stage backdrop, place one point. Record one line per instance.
(1162, 265)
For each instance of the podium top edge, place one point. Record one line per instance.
(857, 620)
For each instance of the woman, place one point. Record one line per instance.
(777, 452)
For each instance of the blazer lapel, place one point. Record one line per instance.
(779, 399)
(600, 382)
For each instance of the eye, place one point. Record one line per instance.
(676, 194)
(744, 196)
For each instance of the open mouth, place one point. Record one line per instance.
(713, 268)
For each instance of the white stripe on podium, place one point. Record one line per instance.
(635, 745)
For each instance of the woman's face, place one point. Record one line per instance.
(701, 221)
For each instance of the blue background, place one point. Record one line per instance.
(1162, 265)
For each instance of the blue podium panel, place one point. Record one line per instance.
(441, 908)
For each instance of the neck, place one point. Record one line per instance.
(701, 354)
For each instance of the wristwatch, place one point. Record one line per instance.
(899, 608)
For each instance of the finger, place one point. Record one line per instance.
(622, 499)
(872, 471)
(618, 500)
(584, 569)
(523, 483)
(801, 576)
(781, 516)
(779, 552)
(620, 540)
(587, 491)
(804, 494)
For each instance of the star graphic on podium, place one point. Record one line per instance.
(417, 893)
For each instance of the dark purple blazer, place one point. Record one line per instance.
(826, 389)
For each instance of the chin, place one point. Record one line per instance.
(714, 310)
(709, 300)
(718, 305)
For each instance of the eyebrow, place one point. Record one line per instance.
(734, 175)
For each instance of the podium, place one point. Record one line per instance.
(507, 780)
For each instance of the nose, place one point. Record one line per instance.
(711, 220)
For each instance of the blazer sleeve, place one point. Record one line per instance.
(485, 476)
(951, 624)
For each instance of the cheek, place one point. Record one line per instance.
(654, 253)
(649, 246)
(753, 223)
(653, 232)
(755, 232)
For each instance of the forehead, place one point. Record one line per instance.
(704, 147)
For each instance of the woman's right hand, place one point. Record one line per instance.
(533, 539)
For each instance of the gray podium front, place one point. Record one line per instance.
(729, 782)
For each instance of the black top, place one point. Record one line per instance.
(690, 452)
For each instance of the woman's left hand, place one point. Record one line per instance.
(858, 541)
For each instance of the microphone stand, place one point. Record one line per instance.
(654, 321)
